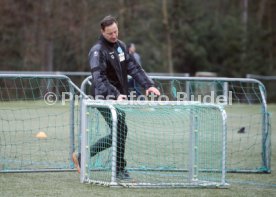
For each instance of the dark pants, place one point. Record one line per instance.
(106, 142)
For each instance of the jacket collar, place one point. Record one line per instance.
(110, 44)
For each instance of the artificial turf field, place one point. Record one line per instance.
(68, 184)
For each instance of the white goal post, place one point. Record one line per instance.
(171, 144)
(244, 100)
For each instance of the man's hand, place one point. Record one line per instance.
(122, 97)
(152, 90)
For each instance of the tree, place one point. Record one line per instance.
(167, 28)
(172, 36)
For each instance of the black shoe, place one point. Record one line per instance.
(122, 175)
(77, 161)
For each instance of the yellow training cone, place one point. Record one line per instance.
(41, 135)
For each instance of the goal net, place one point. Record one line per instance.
(36, 122)
(244, 100)
(248, 121)
(168, 144)
(269, 83)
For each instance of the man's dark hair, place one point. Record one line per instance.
(108, 20)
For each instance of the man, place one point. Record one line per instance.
(110, 64)
(132, 83)
(132, 50)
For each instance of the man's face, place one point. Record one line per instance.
(110, 33)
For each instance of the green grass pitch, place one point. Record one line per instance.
(68, 184)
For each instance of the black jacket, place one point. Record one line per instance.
(110, 64)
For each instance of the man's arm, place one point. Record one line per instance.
(137, 72)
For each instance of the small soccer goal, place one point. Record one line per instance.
(244, 100)
(171, 144)
(37, 122)
(248, 121)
